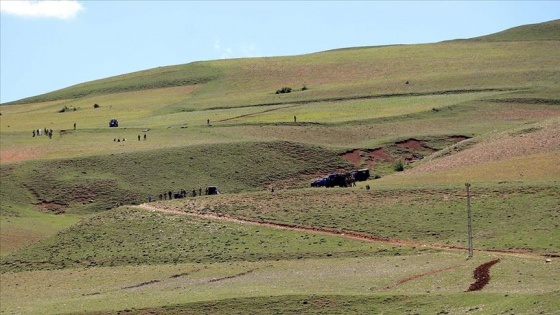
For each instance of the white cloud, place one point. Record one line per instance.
(226, 53)
(243, 50)
(249, 50)
(42, 9)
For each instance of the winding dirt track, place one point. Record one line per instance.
(481, 273)
(327, 231)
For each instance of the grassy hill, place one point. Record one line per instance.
(75, 236)
(540, 31)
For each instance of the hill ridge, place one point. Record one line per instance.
(202, 73)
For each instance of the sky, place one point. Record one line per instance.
(50, 45)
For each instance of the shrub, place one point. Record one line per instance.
(304, 88)
(95, 105)
(284, 90)
(399, 166)
(67, 109)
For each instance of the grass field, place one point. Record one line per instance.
(77, 236)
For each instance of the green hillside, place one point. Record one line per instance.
(357, 72)
(541, 31)
(78, 235)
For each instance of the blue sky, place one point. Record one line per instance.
(49, 45)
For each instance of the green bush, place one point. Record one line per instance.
(399, 166)
(284, 90)
(67, 109)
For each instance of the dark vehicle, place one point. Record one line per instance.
(319, 182)
(113, 123)
(361, 175)
(212, 190)
(336, 180)
(342, 179)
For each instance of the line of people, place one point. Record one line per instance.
(177, 195)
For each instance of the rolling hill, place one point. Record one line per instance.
(78, 235)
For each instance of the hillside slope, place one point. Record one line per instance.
(540, 31)
(348, 73)
(484, 112)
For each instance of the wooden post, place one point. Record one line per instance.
(469, 220)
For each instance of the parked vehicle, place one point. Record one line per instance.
(320, 182)
(341, 179)
(212, 190)
(361, 175)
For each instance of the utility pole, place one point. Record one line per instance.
(469, 219)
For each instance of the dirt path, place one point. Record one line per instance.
(294, 227)
(419, 275)
(328, 231)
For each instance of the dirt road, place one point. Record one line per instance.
(327, 231)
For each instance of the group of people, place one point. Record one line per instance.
(177, 195)
(119, 139)
(39, 132)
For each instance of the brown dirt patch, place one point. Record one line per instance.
(409, 150)
(368, 157)
(482, 275)
(380, 155)
(19, 154)
(354, 157)
(52, 207)
(414, 145)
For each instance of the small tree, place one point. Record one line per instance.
(399, 166)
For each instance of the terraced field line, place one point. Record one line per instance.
(258, 113)
(318, 230)
(419, 275)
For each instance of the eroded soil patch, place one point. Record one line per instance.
(51, 207)
(482, 275)
(408, 150)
